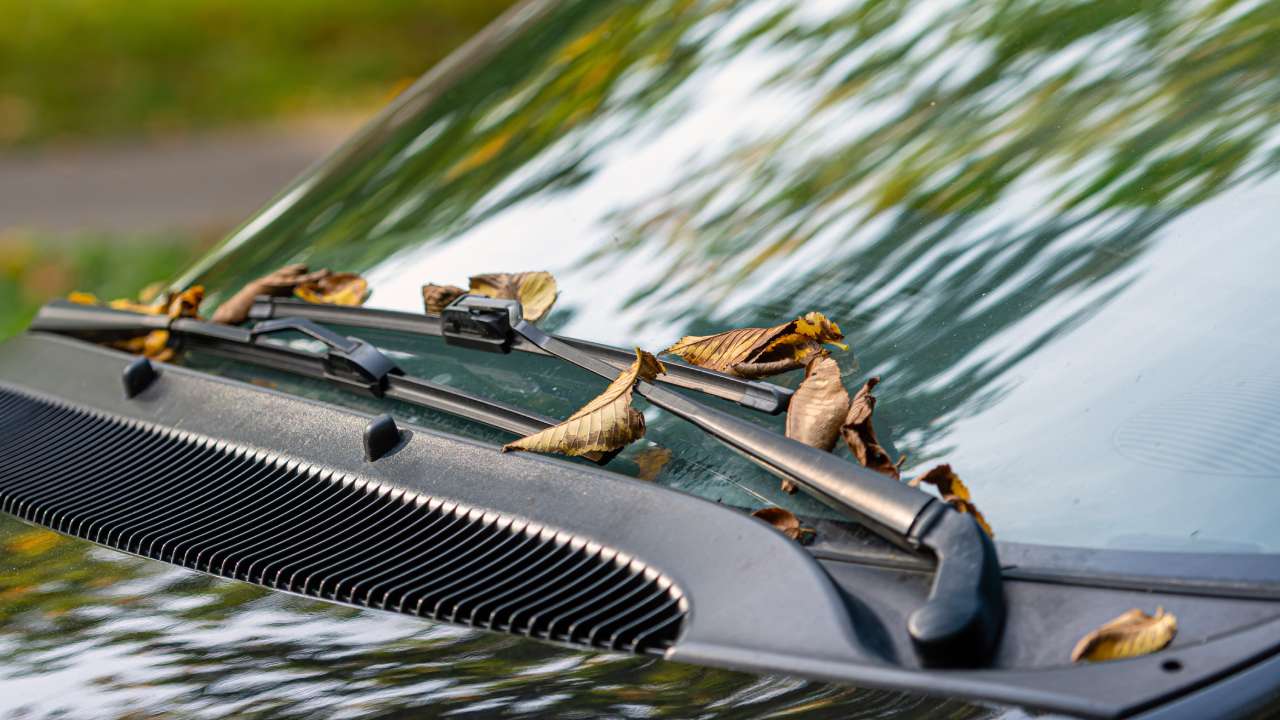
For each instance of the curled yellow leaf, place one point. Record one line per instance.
(760, 352)
(138, 307)
(334, 289)
(953, 491)
(279, 283)
(606, 423)
(148, 308)
(818, 407)
(436, 297)
(785, 521)
(860, 436)
(536, 291)
(185, 303)
(1133, 634)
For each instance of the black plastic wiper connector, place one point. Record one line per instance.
(348, 360)
(481, 323)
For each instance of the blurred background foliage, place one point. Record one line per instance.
(101, 72)
(100, 68)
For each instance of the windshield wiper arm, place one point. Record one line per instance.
(348, 362)
(757, 395)
(959, 624)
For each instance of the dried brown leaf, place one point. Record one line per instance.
(860, 436)
(1132, 634)
(334, 289)
(536, 291)
(953, 491)
(785, 521)
(651, 461)
(606, 423)
(280, 283)
(436, 297)
(818, 407)
(760, 352)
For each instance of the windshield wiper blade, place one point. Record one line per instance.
(763, 396)
(348, 362)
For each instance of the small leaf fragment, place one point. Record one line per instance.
(651, 461)
(536, 291)
(760, 352)
(860, 436)
(280, 283)
(334, 289)
(436, 297)
(606, 423)
(953, 491)
(786, 522)
(1132, 634)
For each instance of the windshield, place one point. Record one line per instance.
(1049, 228)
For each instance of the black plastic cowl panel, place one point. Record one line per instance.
(236, 480)
(245, 514)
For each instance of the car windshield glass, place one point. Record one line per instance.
(1049, 228)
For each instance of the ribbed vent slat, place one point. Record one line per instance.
(248, 515)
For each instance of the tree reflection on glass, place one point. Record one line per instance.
(92, 633)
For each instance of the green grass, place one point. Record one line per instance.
(93, 68)
(35, 268)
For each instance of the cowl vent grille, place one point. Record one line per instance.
(247, 515)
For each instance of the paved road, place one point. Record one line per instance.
(202, 182)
